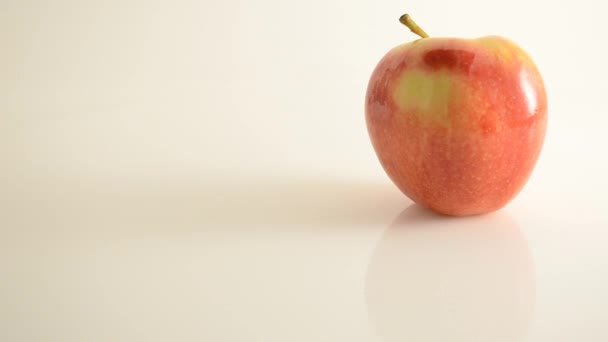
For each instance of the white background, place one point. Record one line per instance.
(201, 171)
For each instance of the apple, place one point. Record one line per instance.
(457, 124)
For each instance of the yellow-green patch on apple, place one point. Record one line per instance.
(424, 93)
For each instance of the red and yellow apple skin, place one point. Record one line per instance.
(457, 124)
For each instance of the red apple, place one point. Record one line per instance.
(457, 124)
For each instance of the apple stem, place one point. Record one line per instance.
(411, 24)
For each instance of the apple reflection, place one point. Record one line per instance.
(434, 278)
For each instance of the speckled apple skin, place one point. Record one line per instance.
(457, 124)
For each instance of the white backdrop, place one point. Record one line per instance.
(123, 87)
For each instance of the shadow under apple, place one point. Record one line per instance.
(228, 204)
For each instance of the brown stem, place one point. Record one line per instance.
(411, 24)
